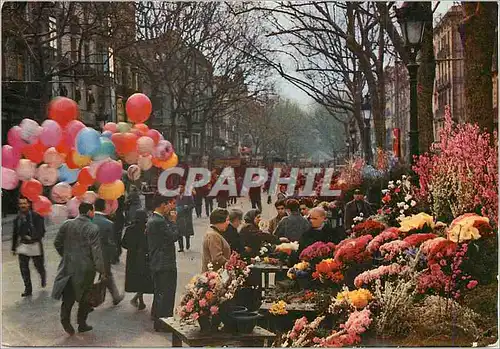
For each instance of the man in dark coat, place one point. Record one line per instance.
(109, 250)
(29, 229)
(185, 204)
(320, 231)
(255, 196)
(231, 234)
(79, 245)
(355, 208)
(294, 225)
(162, 235)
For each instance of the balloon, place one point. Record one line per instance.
(134, 172)
(31, 189)
(62, 110)
(163, 150)
(143, 128)
(110, 126)
(52, 158)
(131, 158)
(88, 141)
(25, 169)
(111, 206)
(62, 147)
(106, 149)
(85, 177)
(14, 138)
(138, 107)
(10, 157)
(42, 206)
(111, 191)
(109, 172)
(61, 193)
(137, 132)
(154, 135)
(59, 213)
(46, 175)
(51, 133)
(70, 159)
(107, 134)
(73, 206)
(123, 127)
(172, 162)
(89, 197)
(71, 131)
(145, 145)
(145, 162)
(30, 130)
(129, 142)
(78, 189)
(94, 166)
(9, 179)
(80, 160)
(67, 175)
(34, 152)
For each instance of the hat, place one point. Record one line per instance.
(358, 192)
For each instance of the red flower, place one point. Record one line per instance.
(353, 250)
(386, 198)
(369, 227)
(417, 239)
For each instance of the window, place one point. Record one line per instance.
(111, 62)
(86, 52)
(195, 141)
(53, 32)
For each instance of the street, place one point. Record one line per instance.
(34, 321)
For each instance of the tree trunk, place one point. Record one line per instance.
(479, 28)
(426, 75)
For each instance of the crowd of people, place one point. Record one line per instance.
(91, 242)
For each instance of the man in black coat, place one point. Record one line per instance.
(319, 231)
(162, 234)
(231, 234)
(356, 208)
(29, 229)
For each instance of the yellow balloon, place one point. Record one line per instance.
(111, 191)
(171, 162)
(81, 160)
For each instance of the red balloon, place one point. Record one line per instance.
(118, 140)
(129, 142)
(138, 107)
(63, 110)
(79, 189)
(142, 127)
(42, 206)
(31, 189)
(34, 152)
(85, 177)
(70, 162)
(154, 135)
(62, 147)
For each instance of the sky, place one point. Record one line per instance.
(289, 91)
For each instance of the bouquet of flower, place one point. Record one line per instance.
(398, 200)
(369, 276)
(299, 270)
(387, 235)
(419, 223)
(466, 227)
(357, 298)
(353, 251)
(278, 308)
(368, 227)
(349, 335)
(237, 273)
(285, 251)
(318, 250)
(393, 248)
(302, 333)
(328, 270)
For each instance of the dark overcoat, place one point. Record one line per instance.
(79, 245)
(137, 269)
(108, 239)
(352, 211)
(185, 206)
(162, 235)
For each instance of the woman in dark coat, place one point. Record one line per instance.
(185, 204)
(137, 275)
(251, 236)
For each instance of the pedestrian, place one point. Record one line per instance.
(306, 204)
(29, 229)
(216, 250)
(255, 196)
(185, 204)
(118, 219)
(198, 201)
(357, 207)
(231, 234)
(108, 246)
(137, 271)
(292, 227)
(209, 200)
(252, 237)
(79, 245)
(280, 208)
(161, 231)
(133, 203)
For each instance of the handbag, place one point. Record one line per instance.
(29, 249)
(97, 293)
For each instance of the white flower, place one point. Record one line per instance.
(385, 191)
(474, 344)
(352, 226)
(398, 182)
(257, 259)
(391, 186)
(401, 217)
(408, 197)
(400, 204)
(404, 177)
(406, 207)
(391, 182)
(361, 214)
(402, 211)
(413, 203)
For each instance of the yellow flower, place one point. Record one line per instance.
(278, 308)
(462, 228)
(358, 298)
(416, 222)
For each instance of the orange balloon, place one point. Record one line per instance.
(70, 160)
(138, 107)
(85, 177)
(62, 147)
(142, 127)
(79, 189)
(63, 110)
(129, 142)
(34, 152)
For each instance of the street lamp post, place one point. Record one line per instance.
(366, 109)
(412, 17)
(186, 145)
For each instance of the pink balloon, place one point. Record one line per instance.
(10, 157)
(154, 135)
(145, 162)
(109, 172)
(110, 126)
(25, 169)
(111, 206)
(51, 133)
(53, 158)
(59, 213)
(30, 130)
(145, 145)
(163, 150)
(42, 206)
(10, 179)
(61, 193)
(73, 206)
(46, 175)
(89, 197)
(94, 166)
(14, 138)
(72, 129)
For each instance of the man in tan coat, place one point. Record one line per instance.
(216, 249)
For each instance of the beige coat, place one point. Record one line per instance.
(216, 250)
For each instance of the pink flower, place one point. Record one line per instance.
(195, 316)
(214, 309)
(472, 284)
(374, 274)
(293, 335)
(202, 302)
